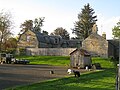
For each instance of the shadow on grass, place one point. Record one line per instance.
(100, 80)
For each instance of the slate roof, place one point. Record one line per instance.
(54, 40)
(40, 37)
(45, 38)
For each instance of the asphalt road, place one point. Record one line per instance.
(14, 74)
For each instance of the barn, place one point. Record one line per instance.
(80, 58)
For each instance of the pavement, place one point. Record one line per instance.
(15, 74)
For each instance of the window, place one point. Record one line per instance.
(28, 38)
(56, 40)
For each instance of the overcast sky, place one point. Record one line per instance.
(62, 13)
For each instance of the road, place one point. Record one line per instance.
(15, 74)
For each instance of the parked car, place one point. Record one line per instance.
(20, 61)
(5, 58)
(9, 58)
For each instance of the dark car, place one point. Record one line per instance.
(20, 61)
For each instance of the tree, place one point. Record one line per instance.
(32, 25)
(83, 27)
(45, 32)
(116, 30)
(10, 45)
(38, 23)
(27, 25)
(5, 27)
(62, 32)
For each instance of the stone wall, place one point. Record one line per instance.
(27, 39)
(49, 51)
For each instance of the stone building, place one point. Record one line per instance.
(33, 39)
(97, 45)
(27, 39)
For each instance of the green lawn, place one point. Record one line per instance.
(104, 62)
(94, 80)
(50, 60)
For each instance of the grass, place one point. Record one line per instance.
(94, 80)
(50, 60)
(104, 62)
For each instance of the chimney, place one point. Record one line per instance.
(104, 35)
(94, 29)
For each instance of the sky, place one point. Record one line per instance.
(62, 13)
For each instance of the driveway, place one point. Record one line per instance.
(15, 74)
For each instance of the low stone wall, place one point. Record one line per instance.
(49, 51)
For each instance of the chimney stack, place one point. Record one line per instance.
(95, 29)
(104, 35)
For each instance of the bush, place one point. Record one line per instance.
(22, 51)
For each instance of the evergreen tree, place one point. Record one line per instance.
(83, 27)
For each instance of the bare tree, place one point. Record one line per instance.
(5, 27)
(38, 23)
